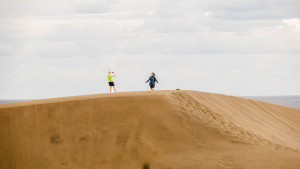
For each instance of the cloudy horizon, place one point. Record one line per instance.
(65, 48)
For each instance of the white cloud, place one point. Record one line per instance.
(92, 6)
(237, 72)
(261, 66)
(293, 23)
(215, 42)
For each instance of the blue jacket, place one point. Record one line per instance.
(152, 80)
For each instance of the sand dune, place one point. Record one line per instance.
(157, 130)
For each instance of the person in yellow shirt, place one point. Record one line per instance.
(111, 81)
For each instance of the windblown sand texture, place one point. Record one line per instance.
(154, 130)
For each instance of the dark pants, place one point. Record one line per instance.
(111, 83)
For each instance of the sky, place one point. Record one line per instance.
(63, 48)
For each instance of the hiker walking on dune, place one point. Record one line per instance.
(152, 80)
(111, 81)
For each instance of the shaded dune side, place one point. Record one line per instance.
(162, 129)
(106, 131)
(103, 132)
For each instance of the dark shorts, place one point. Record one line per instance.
(152, 86)
(111, 83)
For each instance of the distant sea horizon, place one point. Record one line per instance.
(13, 100)
(289, 101)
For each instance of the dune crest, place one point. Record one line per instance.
(161, 129)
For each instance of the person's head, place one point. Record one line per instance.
(109, 72)
(153, 74)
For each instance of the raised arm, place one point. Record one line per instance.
(114, 74)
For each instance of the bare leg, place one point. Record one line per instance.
(110, 87)
(115, 89)
(152, 89)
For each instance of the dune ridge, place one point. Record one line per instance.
(231, 115)
(161, 129)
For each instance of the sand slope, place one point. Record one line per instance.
(161, 129)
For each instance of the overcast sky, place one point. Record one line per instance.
(55, 48)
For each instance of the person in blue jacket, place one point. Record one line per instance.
(152, 80)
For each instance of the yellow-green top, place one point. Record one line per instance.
(110, 77)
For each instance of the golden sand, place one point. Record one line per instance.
(154, 130)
